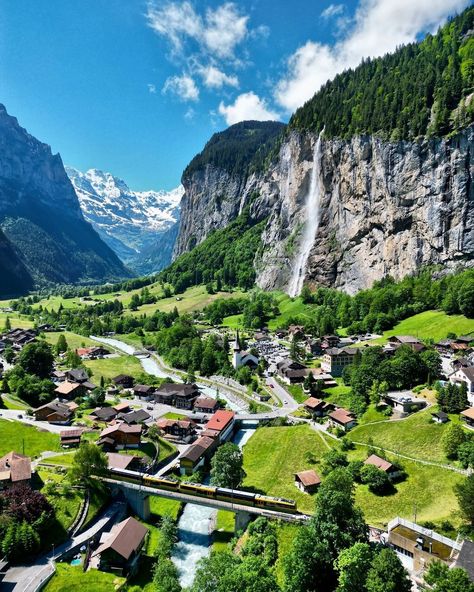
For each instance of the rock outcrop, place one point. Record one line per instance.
(384, 208)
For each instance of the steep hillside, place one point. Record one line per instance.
(15, 279)
(41, 218)
(386, 190)
(130, 222)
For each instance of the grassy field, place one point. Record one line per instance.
(67, 507)
(273, 455)
(165, 449)
(415, 436)
(339, 395)
(432, 324)
(224, 531)
(110, 367)
(285, 536)
(74, 340)
(159, 506)
(26, 439)
(69, 578)
(12, 402)
(16, 320)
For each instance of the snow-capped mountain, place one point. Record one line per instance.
(130, 222)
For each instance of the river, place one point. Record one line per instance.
(195, 530)
(151, 366)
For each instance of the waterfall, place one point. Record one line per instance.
(312, 203)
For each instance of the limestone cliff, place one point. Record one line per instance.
(384, 208)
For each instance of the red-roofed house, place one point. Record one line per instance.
(223, 422)
(384, 465)
(341, 418)
(14, 468)
(307, 481)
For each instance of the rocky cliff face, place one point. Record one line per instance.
(41, 219)
(384, 208)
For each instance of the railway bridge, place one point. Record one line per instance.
(138, 497)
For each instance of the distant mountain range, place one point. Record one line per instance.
(44, 238)
(135, 224)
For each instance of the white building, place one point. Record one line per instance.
(466, 376)
(242, 358)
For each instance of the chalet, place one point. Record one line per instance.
(122, 407)
(461, 363)
(18, 338)
(292, 372)
(143, 391)
(313, 347)
(206, 405)
(466, 376)
(134, 417)
(196, 455)
(78, 375)
(468, 416)
(54, 412)
(307, 481)
(124, 381)
(295, 332)
(383, 465)
(398, 340)
(223, 422)
(336, 359)
(329, 341)
(69, 390)
(242, 358)
(181, 396)
(70, 438)
(58, 376)
(104, 414)
(119, 550)
(121, 435)
(181, 429)
(14, 468)
(314, 406)
(341, 418)
(440, 417)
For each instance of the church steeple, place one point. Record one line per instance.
(237, 346)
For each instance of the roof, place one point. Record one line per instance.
(15, 467)
(124, 538)
(121, 406)
(313, 403)
(135, 416)
(468, 372)
(440, 414)
(122, 377)
(119, 461)
(308, 478)
(466, 558)
(68, 434)
(121, 427)
(468, 413)
(220, 420)
(206, 403)
(342, 416)
(56, 407)
(143, 388)
(196, 451)
(65, 388)
(104, 413)
(79, 374)
(378, 462)
(337, 351)
(406, 339)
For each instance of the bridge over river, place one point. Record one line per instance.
(138, 497)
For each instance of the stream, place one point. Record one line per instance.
(195, 530)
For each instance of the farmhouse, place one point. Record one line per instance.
(92, 352)
(143, 391)
(180, 395)
(336, 359)
(119, 550)
(124, 381)
(314, 406)
(341, 418)
(121, 436)
(54, 412)
(468, 416)
(307, 481)
(383, 465)
(70, 390)
(70, 438)
(14, 468)
(77, 375)
(292, 372)
(104, 414)
(465, 376)
(134, 417)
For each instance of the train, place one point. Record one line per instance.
(224, 494)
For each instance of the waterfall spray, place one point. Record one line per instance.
(312, 204)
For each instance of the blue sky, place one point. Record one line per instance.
(137, 88)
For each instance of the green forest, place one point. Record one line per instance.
(422, 89)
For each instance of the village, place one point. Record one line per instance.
(174, 428)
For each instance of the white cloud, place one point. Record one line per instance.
(218, 32)
(379, 26)
(213, 77)
(182, 86)
(190, 113)
(247, 106)
(332, 10)
(151, 88)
